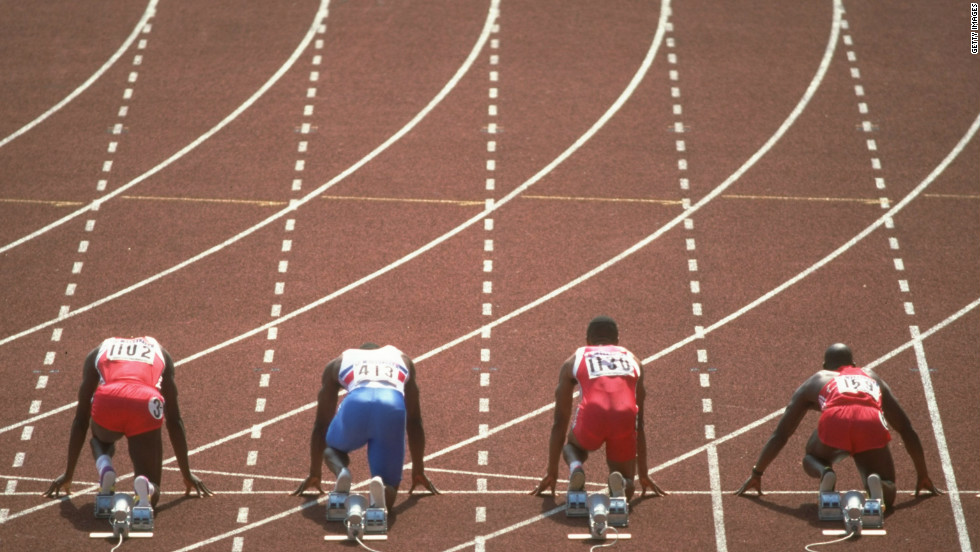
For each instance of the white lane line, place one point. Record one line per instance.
(486, 432)
(149, 12)
(937, 429)
(321, 14)
(247, 486)
(884, 220)
(488, 223)
(738, 432)
(463, 69)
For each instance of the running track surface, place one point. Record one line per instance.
(260, 186)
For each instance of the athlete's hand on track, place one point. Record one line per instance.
(753, 482)
(194, 483)
(925, 483)
(647, 483)
(546, 481)
(62, 482)
(310, 482)
(423, 480)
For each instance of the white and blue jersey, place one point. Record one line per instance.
(373, 412)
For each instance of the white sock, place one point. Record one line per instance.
(102, 461)
(574, 466)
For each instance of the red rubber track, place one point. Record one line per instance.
(725, 102)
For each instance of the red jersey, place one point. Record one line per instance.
(608, 376)
(134, 360)
(852, 386)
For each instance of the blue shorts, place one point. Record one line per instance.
(376, 418)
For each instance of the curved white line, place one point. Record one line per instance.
(484, 35)
(149, 12)
(321, 14)
(970, 133)
(463, 69)
(714, 443)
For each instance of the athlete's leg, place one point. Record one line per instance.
(820, 457)
(878, 461)
(103, 441)
(628, 469)
(573, 451)
(386, 446)
(335, 460)
(146, 452)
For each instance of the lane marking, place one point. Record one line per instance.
(149, 12)
(937, 430)
(145, 28)
(483, 434)
(321, 14)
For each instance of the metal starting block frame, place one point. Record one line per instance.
(862, 516)
(373, 524)
(615, 510)
(136, 523)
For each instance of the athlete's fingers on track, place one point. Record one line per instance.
(750, 483)
(546, 482)
(54, 490)
(309, 482)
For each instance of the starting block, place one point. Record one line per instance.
(861, 516)
(126, 519)
(603, 512)
(362, 522)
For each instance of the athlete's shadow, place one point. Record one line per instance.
(82, 516)
(806, 511)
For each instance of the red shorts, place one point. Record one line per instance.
(593, 427)
(128, 408)
(853, 428)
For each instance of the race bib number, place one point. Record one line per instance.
(156, 408)
(377, 372)
(130, 350)
(857, 384)
(602, 363)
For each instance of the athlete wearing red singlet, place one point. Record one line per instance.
(128, 389)
(128, 399)
(610, 412)
(854, 404)
(851, 417)
(607, 375)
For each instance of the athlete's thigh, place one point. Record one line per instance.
(349, 429)
(817, 448)
(877, 461)
(105, 435)
(146, 452)
(386, 448)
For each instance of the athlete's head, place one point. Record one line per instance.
(369, 345)
(837, 355)
(602, 331)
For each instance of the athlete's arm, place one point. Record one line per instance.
(897, 418)
(803, 399)
(564, 393)
(175, 428)
(326, 407)
(643, 471)
(416, 434)
(79, 426)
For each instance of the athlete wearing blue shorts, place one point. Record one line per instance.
(381, 405)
